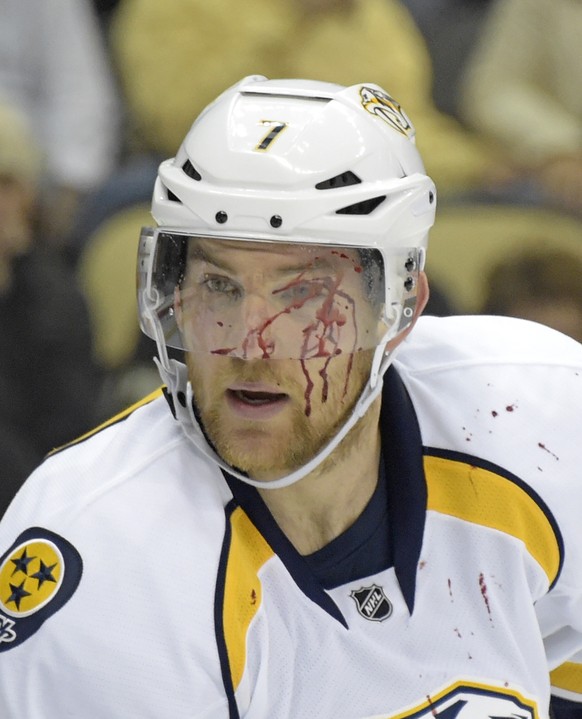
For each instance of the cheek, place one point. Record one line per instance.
(201, 374)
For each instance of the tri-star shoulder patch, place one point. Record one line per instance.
(38, 575)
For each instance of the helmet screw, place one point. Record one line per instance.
(410, 264)
(408, 284)
(431, 197)
(276, 221)
(221, 217)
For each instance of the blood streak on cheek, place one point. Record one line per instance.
(321, 339)
(326, 332)
(223, 351)
(308, 388)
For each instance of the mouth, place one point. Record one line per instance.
(256, 403)
(257, 398)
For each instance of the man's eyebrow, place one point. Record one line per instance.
(196, 252)
(292, 267)
(318, 263)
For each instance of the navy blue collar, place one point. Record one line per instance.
(407, 494)
(406, 497)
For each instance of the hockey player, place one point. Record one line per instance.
(335, 508)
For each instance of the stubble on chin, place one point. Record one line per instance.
(268, 450)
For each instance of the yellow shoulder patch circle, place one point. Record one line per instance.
(29, 577)
(39, 573)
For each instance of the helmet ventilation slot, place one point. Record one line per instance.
(343, 180)
(171, 196)
(191, 171)
(365, 207)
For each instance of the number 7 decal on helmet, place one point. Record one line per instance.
(275, 128)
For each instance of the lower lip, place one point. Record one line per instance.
(245, 410)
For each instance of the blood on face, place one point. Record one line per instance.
(254, 300)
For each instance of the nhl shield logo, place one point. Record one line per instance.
(372, 603)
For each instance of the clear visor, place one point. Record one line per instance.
(263, 299)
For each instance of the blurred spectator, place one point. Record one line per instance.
(15, 464)
(48, 382)
(54, 67)
(104, 9)
(174, 56)
(441, 303)
(450, 28)
(467, 240)
(522, 89)
(540, 284)
(106, 271)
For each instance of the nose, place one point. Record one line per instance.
(258, 317)
(256, 309)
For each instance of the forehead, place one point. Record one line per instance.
(238, 255)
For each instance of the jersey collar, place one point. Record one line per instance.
(406, 493)
(406, 486)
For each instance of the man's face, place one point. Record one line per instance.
(280, 343)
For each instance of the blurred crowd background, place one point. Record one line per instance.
(94, 93)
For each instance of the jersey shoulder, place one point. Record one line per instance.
(127, 457)
(438, 342)
(504, 395)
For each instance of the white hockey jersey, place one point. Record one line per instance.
(137, 581)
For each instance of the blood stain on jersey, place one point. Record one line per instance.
(38, 575)
(485, 595)
(541, 445)
(372, 603)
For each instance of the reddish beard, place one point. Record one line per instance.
(268, 450)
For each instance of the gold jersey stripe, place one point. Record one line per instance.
(462, 688)
(483, 497)
(248, 552)
(112, 420)
(568, 676)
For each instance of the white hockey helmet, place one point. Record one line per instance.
(290, 162)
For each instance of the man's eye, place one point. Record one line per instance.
(302, 291)
(221, 285)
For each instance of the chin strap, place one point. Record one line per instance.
(175, 375)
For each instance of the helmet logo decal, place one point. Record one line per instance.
(38, 575)
(380, 103)
(275, 128)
